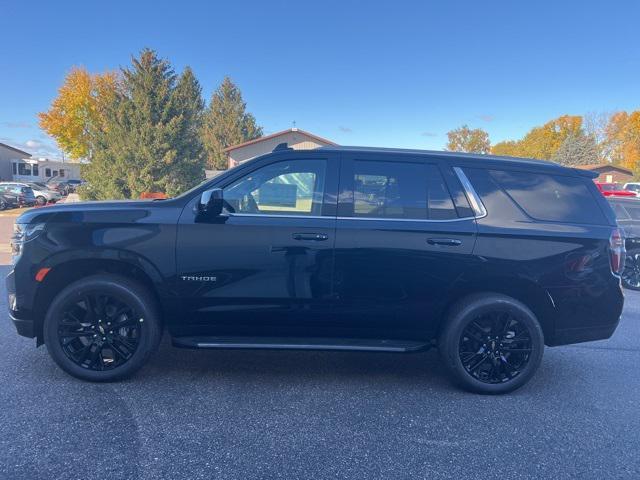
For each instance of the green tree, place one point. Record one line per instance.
(464, 139)
(149, 140)
(226, 123)
(577, 150)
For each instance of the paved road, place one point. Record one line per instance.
(246, 415)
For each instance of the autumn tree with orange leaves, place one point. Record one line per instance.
(78, 107)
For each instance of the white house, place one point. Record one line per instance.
(18, 165)
(43, 170)
(293, 137)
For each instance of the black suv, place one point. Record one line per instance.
(340, 248)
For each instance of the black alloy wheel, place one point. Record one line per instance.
(631, 273)
(495, 347)
(491, 343)
(99, 331)
(102, 328)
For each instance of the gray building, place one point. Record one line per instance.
(9, 155)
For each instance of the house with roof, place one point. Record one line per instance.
(609, 173)
(8, 156)
(293, 137)
(20, 166)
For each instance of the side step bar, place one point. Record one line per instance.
(288, 343)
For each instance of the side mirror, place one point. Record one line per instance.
(210, 202)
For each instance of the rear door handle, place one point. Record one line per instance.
(316, 237)
(448, 242)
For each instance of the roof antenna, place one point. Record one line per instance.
(294, 126)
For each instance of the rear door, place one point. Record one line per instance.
(404, 233)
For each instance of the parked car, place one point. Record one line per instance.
(379, 250)
(44, 194)
(633, 187)
(23, 193)
(8, 201)
(614, 190)
(64, 187)
(627, 212)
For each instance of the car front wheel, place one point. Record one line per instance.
(491, 343)
(102, 328)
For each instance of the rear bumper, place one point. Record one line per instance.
(578, 335)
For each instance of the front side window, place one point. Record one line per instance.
(284, 188)
(24, 169)
(400, 190)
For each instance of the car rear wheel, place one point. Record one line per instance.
(631, 273)
(491, 343)
(3, 204)
(40, 200)
(102, 328)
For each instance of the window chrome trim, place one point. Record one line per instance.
(423, 220)
(271, 215)
(474, 199)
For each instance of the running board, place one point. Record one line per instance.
(287, 343)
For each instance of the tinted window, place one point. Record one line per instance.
(621, 213)
(24, 169)
(552, 198)
(292, 187)
(47, 172)
(400, 190)
(634, 211)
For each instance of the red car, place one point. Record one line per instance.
(614, 190)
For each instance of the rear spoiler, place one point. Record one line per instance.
(585, 173)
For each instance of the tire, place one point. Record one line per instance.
(40, 200)
(68, 320)
(631, 274)
(487, 364)
(3, 205)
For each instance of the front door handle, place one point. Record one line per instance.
(448, 242)
(316, 237)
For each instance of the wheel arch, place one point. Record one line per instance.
(526, 291)
(70, 267)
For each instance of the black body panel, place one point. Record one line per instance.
(332, 274)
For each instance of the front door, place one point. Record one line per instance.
(264, 267)
(403, 238)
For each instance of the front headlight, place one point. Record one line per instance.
(23, 233)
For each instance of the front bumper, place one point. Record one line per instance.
(24, 327)
(21, 316)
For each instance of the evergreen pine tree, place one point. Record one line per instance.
(226, 123)
(150, 138)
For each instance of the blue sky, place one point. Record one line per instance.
(391, 73)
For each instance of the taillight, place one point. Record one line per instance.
(617, 251)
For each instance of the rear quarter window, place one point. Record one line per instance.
(553, 198)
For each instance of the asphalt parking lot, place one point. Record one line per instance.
(257, 414)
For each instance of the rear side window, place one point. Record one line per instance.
(634, 212)
(553, 198)
(621, 213)
(400, 190)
